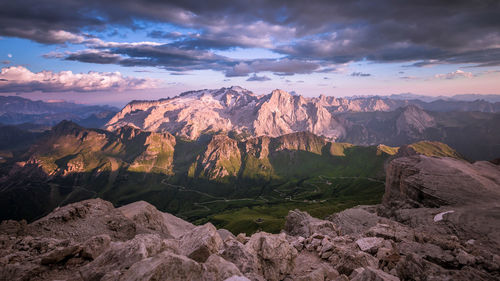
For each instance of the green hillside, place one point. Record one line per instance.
(240, 185)
(434, 148)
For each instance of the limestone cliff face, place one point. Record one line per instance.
(282, 113)
(304, 141)
(413, 121)
(446, 196)
(235, 109)
(434, 182)
(191, 113)
(258, 147)
(396, 187)
(137, 109)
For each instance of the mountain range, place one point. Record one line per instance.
(205, 152)
(16, 110)
(197, 180)
(361, 121)
(461, 97)
(358, 189)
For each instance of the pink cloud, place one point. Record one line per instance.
(455, 74)
(21, 79)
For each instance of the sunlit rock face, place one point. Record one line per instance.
(235, 109)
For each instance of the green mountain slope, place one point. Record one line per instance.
(240, 185)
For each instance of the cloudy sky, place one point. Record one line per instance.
(96, 51)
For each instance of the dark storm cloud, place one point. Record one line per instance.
(280, 67)
(329, 31)
(169, 61)
(164, 56)
(95, 57)
(226, 35)
(173, 58)
(480, 58)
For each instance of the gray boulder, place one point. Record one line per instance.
(122, 255)
(302, 224)
(201, 242)
(164, 266)
(149, 220)
(274, 253)
(95, 246)
(374, 274)
(83, 220)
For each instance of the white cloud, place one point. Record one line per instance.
(64, 36)
(21, 79)
(9, 55)
(455, 74)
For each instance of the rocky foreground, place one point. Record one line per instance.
(439, 220)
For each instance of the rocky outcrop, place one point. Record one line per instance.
(434, 182)
(452, 196)
(158, 154)
(80, 221)
(274, 253)
(222, 158)
(122, 255)
(355, 221)
(201, 242)
(401, 239)
(302, 224)
(258, 147)
(304, 141)
(91, 240)
(149, 220)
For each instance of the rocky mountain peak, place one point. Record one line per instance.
(304, 141)
(221, 159)
(413, 120)
(280, 94)
(239, 90)
(128, 132)
(411, 109)
(67, 127)
(362, 120)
